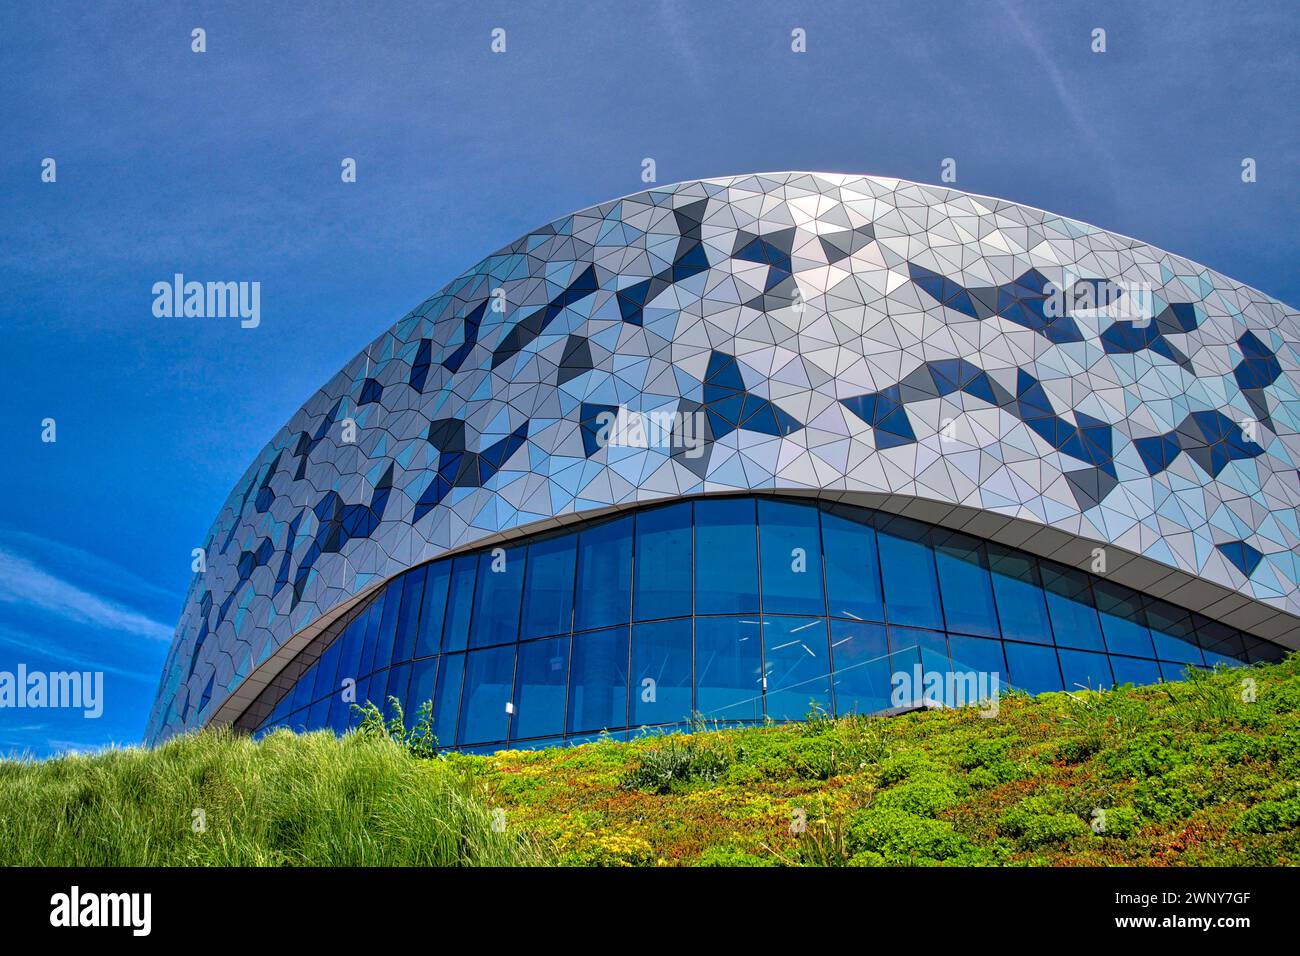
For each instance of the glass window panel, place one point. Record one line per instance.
(1033, 668)
(460, 603)
(1084, 670)
(302, 690)
(852, 566)
(1214, 658)
(907, 563)
(361, 699)
(281, 710)
(388, 625)
(1174, 636)
(398, 677)
(661, 672)
(423, 684)
(1070, 606)
(500, 584)
(663, 562)
(796, 665)
(318, 714)
(914, 646)
(860, 654)
(728, 668)
(1174, 670)
(360, 694)
(1260, 651)
(598, 680)
(1122, 621)
(1021, 607)
(408, 614)
(350, 651)
(548, 587)
(726, 556)
(1219, 643)
(790, 557)
(604, 589)
(378, 691)
(373, 617)
(965, 585)
(539, 688)
(326, 668)
(489, 681)
(1130, 670)
(433, 608)
(978, 655)
(337, 720)
(446, 699)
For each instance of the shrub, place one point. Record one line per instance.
(898, 768)
(728, 855)
(419, 741)
(676, 764)
(897, 836)
(924, 796)
(1176, 794)
(1207, 698)
(1143, 755)
(1270, 816)
(1121, 822)
(1034, 822)
(984, 753)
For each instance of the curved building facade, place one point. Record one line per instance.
(743, 447)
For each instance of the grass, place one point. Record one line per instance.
(309, 800)
(1201, 772)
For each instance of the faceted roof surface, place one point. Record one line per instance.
(828, 332)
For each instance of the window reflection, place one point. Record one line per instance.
(661, 672)
(729, 668)
(789, 546)
(598, 681)
(489, 680)
(496, 601)
(907, 565)
(548, 589)
(726, 564)
(540, 678)
(604, 588)
(796, 667)
(663, 563)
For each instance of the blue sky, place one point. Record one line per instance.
(225, 166)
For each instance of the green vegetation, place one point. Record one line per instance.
(310, 800)
(1202, 772)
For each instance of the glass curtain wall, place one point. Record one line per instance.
(734, 610)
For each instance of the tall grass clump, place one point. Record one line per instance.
(219, 799)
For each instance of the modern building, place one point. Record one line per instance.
(743, 446)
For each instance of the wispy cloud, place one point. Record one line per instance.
(1090, 131)
(24, 583)
(15, 644)
(59, 557)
